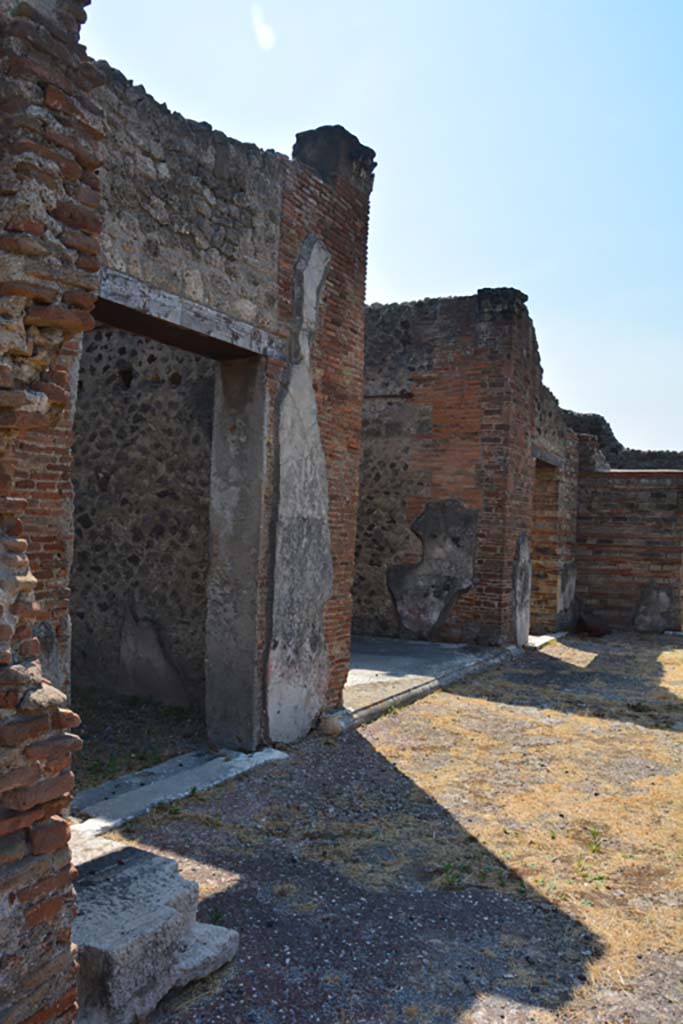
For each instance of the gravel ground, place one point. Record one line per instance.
(508, 850)
(125, 734)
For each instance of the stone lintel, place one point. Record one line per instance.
(544, 455)
(135, 306)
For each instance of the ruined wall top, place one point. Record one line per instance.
(613, 451)
(400, 336)
(552, 431)
(333, 152)
(192, 212)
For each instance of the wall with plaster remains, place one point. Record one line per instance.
(142, 462)
(448, 414)
(95, 175)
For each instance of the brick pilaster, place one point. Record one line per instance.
(49, 226)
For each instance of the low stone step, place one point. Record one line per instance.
(137, 931)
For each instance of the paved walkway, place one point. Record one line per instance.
(508, 850)
(384, 668)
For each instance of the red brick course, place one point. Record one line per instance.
(629, 535)
(337, 213)
(49, 145)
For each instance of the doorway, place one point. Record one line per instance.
(545, 549)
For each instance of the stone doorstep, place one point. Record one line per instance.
(137, 932)
(536, 643)
(108, 807)
(338, 722)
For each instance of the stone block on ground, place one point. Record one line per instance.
(137, 932)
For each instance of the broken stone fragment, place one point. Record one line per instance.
(46, 696)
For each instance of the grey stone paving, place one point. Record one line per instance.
(384, 668)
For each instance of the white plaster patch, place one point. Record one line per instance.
(297, 664)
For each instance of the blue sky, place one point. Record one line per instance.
(530, 143)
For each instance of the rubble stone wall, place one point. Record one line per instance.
(616, 454)
(187, 209)
(142, 470)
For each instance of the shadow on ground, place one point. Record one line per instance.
(629, 677)
(359, 899)
(125, 734)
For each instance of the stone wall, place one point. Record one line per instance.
(188, 210)
(630, 547)
(198, 217)
(450, 386)
(142, 470)
(166, 182)
(616, 454)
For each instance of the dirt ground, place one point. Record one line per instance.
(508, 850)
(125, 734)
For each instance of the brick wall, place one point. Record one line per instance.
(48, 263)
(44, 473)
(49, 260)
(630, 546)
(448, 414)
(330, 200)
(553, 534)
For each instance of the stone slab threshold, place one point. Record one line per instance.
(136, 926)
(387, 673)
(112, 804)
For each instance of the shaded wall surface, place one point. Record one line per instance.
(142, 464)
(553, 543)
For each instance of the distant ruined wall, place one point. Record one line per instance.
(630, 545)
(142, 463)
(448, 414)
(616, 454)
